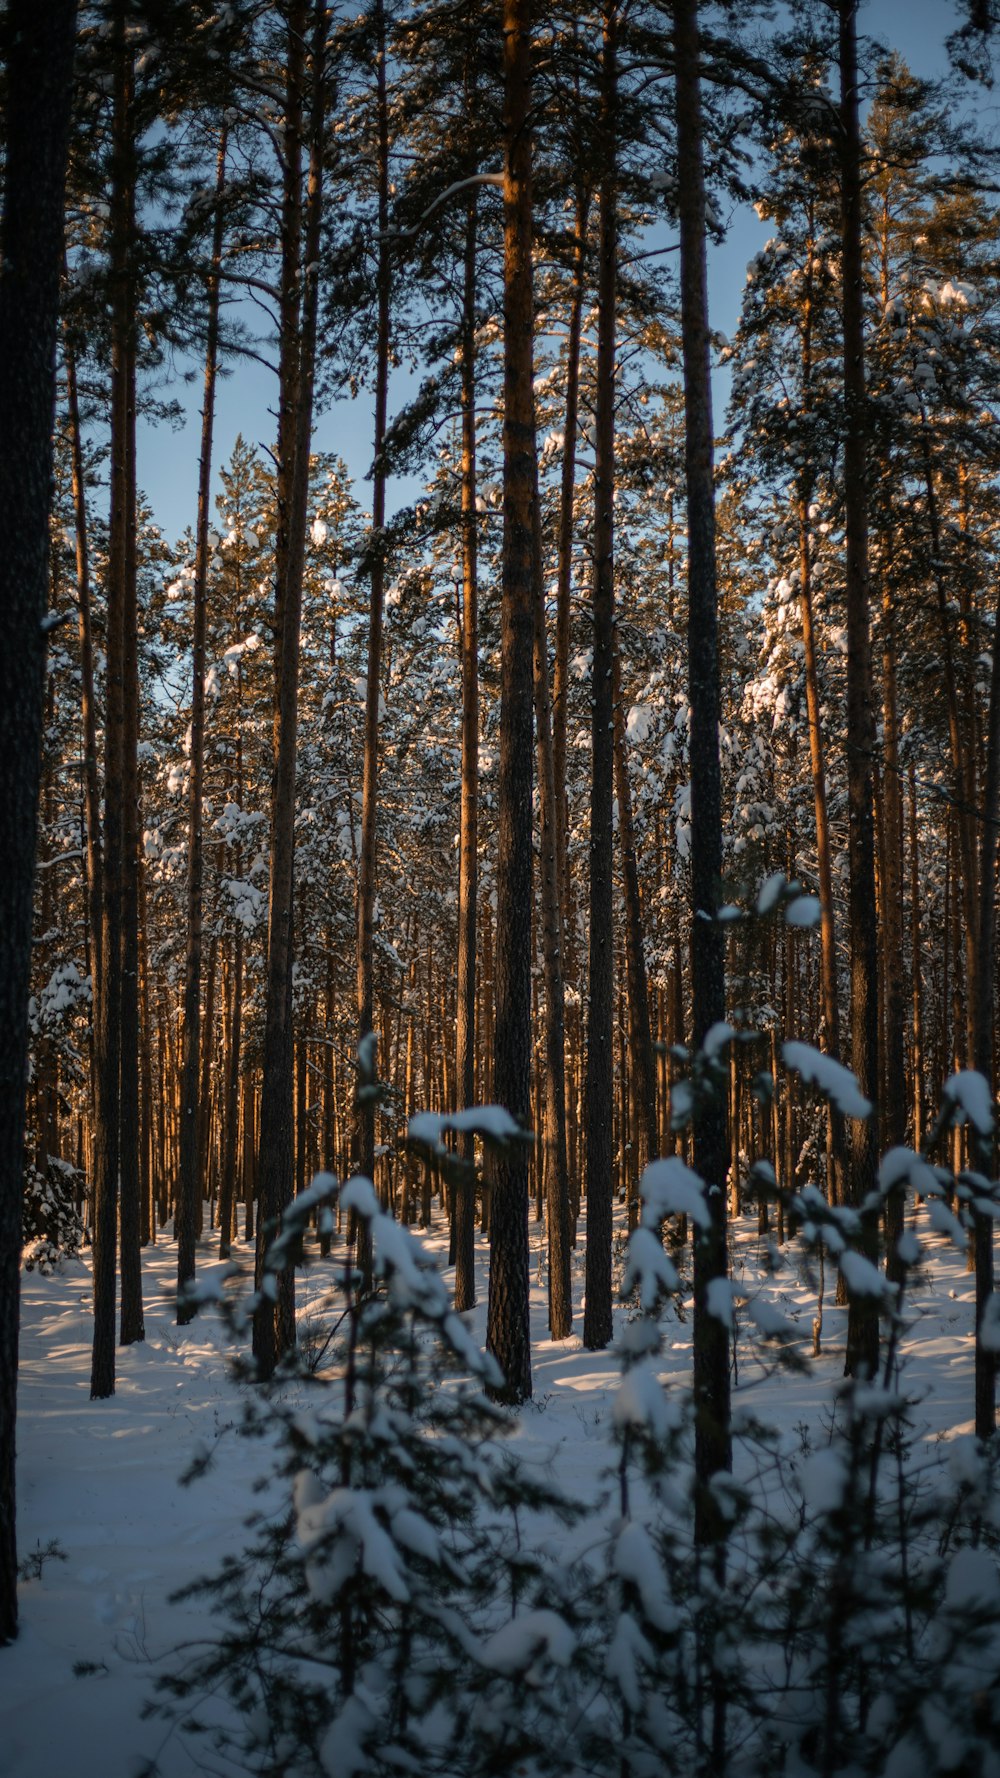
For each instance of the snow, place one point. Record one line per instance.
(515, 1647)
(972, 1581)
(670, 1188)
(831, 1078)
(803, 910)
(102, 1478)
(489, 1121)
(636, 1560)
(968, 1096)
(822, 1479)
(863, 1279)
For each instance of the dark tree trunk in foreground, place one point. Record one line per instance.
(39, 71)
(713, 1442)
(713, 1451)
(600, 1011)
(508, 1332)
(862, 1333)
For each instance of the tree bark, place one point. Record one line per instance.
(189, 1185)
(643, 1069)
(274, 1329)
(985, 960)
(107, 1047)
(597, 1317)
(131, 1324)
(862, 1334)
(364, 1154)
(508, 1330)
(468, 856)
(713, 1442)
(553, 1163)
(39, 76)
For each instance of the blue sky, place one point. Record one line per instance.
(168, 460)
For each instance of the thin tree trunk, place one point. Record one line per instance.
(364, 1155)
(553, 1147)
(985, 959)
(107, 1048)
(131, 1325)
(862, 1334)
(88, 711)
(894, 1070)
(643, 1068)
(468, 860)
(916, 969)
(597, 1317)
(189, 1186)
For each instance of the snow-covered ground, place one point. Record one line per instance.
(101, 1479)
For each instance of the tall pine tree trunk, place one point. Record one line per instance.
(507, 1330)
(640, 1035)
(600, 1013)
(364, 1147)
(107, 1047)
(39, 68)
(986, 955)
(553, 1156)
(189, 1186)
(131, 1326)
(274, 1329)
(862, 1334)
(468, 858)
(713, 1439)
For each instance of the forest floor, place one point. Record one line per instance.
(101, 1478)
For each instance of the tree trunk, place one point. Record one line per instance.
(597, 1318)
(88, 712)
(39, 67)
(131, 1325)
(551, 1159)
(468, 860)
(713, 1443)
(364, 1147)
(985, 958)
(862, 1335)
(894, 1070)
(508, 1331)
(643, 1068)
(274, 1331)
(107, 1048)
(189, 1185)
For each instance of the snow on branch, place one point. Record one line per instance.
(831, 1079)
